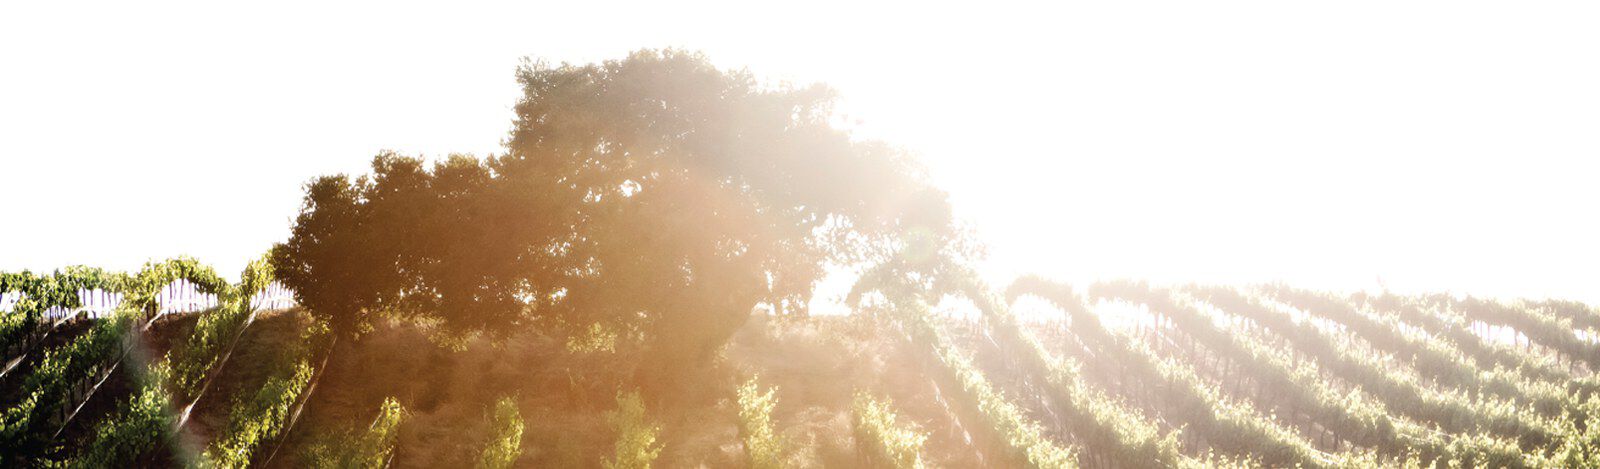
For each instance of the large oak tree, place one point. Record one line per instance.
(656, 193)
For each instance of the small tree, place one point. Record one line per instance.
(505, 440)
(761, 441)
(636, 446)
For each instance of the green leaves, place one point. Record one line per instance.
(889, 442)
(505, 439)
(1023, 434)
(1232, 426)
(636, 446)
(145, 420)
(25, 428)
(369, 449)
(259, 417)
(143, 423)
(215, 329)
(656, 191)
(40, 293)
(755, 422)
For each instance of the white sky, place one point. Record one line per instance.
(1437, 145)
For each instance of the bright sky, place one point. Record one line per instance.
(1434, 145)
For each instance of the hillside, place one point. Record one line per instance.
(1127, 375)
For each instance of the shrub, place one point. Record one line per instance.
(505, 443)
(755, 421)
(636, 445)
(889, 442)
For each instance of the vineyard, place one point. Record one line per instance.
(172, 365)
(629, 284)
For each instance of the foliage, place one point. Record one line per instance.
(13, 326)
(1551, 331)
(140, 290)
(141, 421)
(755, 423)
(1439, 322)
(144, 420)
(1104, 426)
(1436, 360)
(216, 329)
(888, 442)
(262, 416)
(905, 292)
(1020, 431)
(656, 189)
(597, 338)
(636, 445)
(39, 293)
(1403, 392)
(505, 442)
(141, 424)
(1580, 442)
(23, 425)
(1354, 416)
(1231, 426)
(369, 449)
(1402, 395)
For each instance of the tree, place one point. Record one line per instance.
(656, 192)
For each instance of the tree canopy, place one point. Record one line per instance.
(657, 192)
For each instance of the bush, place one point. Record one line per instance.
(755, 422)
(636, 445)
(887, 441)
(505, 443)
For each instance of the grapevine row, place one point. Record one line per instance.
(1296, 387)
(1555, 333)
(1433, 359)
(1373, 376)
(1104, 426)
(1023, 438)
(1233, 427)
(143, 420)
(1452, 327)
